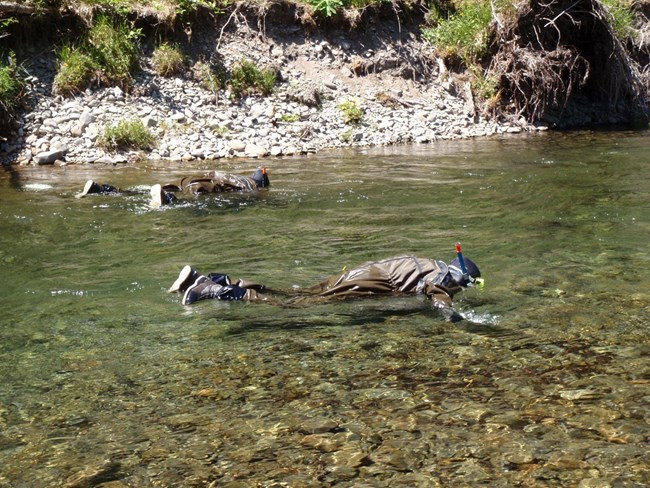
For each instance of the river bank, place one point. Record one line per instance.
(405, 92)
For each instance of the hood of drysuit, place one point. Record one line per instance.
(457, 273)
(261, 178)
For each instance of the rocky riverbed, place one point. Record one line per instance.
(406, 95)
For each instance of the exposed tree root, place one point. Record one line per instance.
(559, 49)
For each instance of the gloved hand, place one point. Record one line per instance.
(450, 314)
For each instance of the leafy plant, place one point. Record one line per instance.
(4, 23)
(127, 134)
(268, 79)
(220, 130)
(352, 112)
(290, 117)
(464, 35)
(186, 7)
(248, 78)
(327, 7)
(485, 87)
(167, 60)
(11, 81)
(346, 136)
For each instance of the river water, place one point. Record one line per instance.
(107, 380)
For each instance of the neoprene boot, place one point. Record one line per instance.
(186, 278)
(160, 197)
(92, 187)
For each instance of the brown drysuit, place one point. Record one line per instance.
(214, 181)
(403, 274)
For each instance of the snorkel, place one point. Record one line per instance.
(461, 260)
(466, 277)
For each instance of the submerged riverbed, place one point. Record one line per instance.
(107, 380)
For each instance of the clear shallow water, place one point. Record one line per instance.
(107, 378)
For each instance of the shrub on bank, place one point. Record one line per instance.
(352, 112)
(247, 79)
(76, 71)
(127, 134)
(211, 79)
(167, 60)
(11, 88)
(462, 35)
(107, 56)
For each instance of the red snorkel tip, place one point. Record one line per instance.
(458, 247)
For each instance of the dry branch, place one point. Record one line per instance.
(16, 8)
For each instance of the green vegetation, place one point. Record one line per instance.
(209, 78)
(484, 85)
(127, 134)
(622, 16)
(11, 89)
(167, 60)
(462, 31)
(220, 130)
(327, 7)
(290, 117)
(11, 81)
(464, 34)
(248, 79)
(108, 55)
(352, 112)
(76, 71)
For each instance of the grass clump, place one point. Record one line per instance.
(76, 71)
(352, 112)
(11, 89)
(167, 60)
(622, 17)
(248, 79)
(211, 79)
(464, 34)
(127, 134)
(108, 55)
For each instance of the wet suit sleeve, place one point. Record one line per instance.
(441, 300)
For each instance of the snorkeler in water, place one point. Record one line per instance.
(212, 182)
(397, 275)
(220, 182)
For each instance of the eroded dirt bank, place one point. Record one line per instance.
(382, 65)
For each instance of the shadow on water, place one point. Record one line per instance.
(302, 313)
(13, 174)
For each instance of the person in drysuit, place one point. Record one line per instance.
(397, 275)
(218, 181)
(212, 182)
